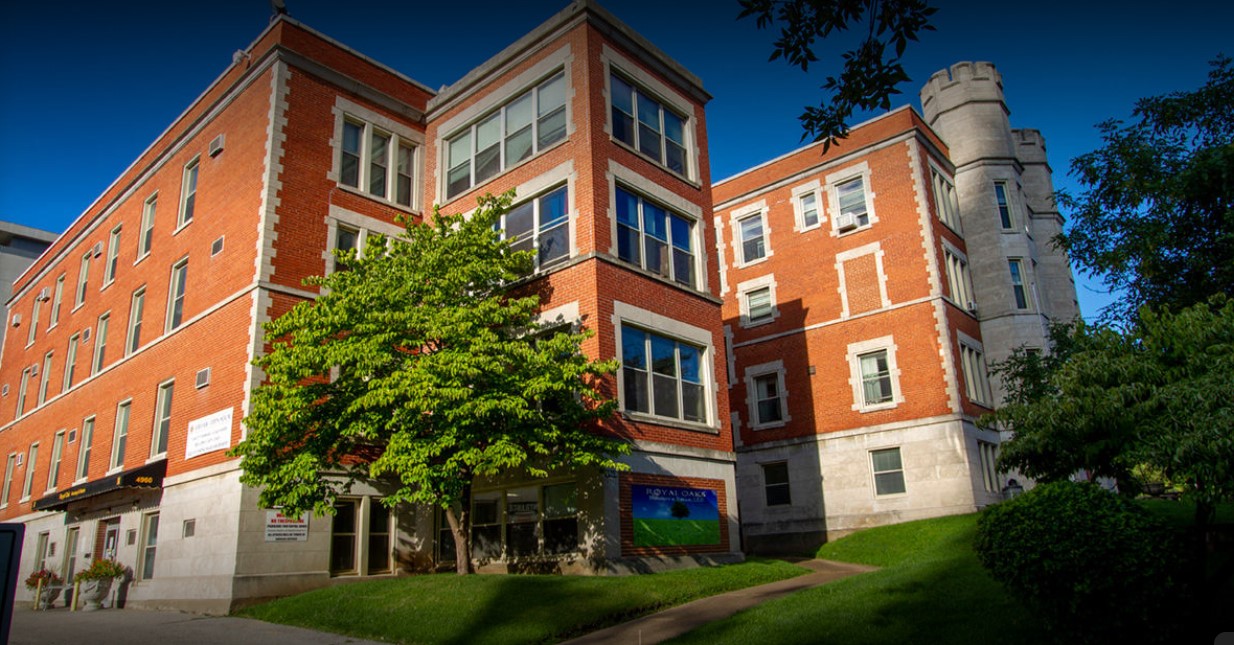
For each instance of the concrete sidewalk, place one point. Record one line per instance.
(676, 621)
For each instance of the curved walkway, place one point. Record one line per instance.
(678, 620)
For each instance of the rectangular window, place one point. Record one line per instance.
(988, 455)
(100, 343)
(31, 462)
(149, 544)
(56, 299)
(541, 224)
(1018, 290)
(976, 379)
(875, 377)
(945, 201)
(662, 376)
(34, 323)
(775, 484)
(854, 212)
(561, 518)
(758, 302)
(41, 549)
(113, 256)
(809, 210)
(120, 437)
(188, 192)
(767, 399)
(378, 162)
(175, 294)
(136, 311)
(655, 238)
(1004, 205)
(9, 465)
(646, 125)
(45, 378)
(162, 419)
(958, 279)
(525, 126)
(146, 238)
(83, 447)
(83, 279)
(69, 566)
(753, 241)
(22, 388)
(380, 521)
(343, 556)
(57, 449)
(70, 361)
(888, 471)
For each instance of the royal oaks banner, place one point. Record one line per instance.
(670, 516)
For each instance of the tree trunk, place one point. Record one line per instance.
(460, 524)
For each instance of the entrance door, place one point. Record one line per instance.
(107, 541)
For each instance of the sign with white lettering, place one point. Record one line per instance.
(281, 528)
(208, 434)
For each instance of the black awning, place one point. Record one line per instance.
(147, 476)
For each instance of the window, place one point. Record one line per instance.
(808, 205)
(84, 446)
(662, 376)
(53, 473)
(100, 343)
(654, 238)
(34, 323)
(958, 279)
(888, 471)
(775, 484)
(357, 547)
(1004, 205)
(537, 520)
(758, 302)
(988, 455)
(527, 125)
(560, 518)
(643, 123)
(188, 192)
(874, 375)
(70, 361)
(753, 241)
(1018, 290)
(541, 224)
(83, 279)
(146, 238)
(377, 162)
(854, 212)
(150, 531)
(113, 256)
(120, 437)
(945, 201)
(9, 465)
(45, 377)
(41, 550)
(56, 298)
(21, 392)
(31, 462)
(162, 419)
(875, 378)
(136, 310)
(976, 379)
(175, 294)
(767, 399)
(69, 566)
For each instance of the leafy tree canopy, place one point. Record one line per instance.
(419, 369)
(1155, 218)
(871, 70)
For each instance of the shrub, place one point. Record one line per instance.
(1095, 567)
(48, 577)
(101, 569)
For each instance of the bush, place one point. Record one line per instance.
(1095, 567)
(101, 569)
(48, 577)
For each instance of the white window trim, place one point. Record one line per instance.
(100, 343)
(57, 457)
(799, 222)
(1026, 283)
(855, 350)
(875, 249)
(154, 428)
(735, 217)
(83, 281)
(128, 334)
(874, 481)
(624, 313)
(364, 224)
(171, 296)
(977, 385)
(112, 258)
(57, 301)
(343, 109)
(743, 304)
(832, 180)
(934, 168)
(112, 466)
(763, 369)
(84, 469)
(563, 174)
(965, 278)
(149, 210)
(636, 183)
(27, 484)
(195, 162)
(670, 98)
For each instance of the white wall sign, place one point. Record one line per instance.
(280, 528)
(208, 434)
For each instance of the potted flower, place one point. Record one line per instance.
(95, 582)
(46, 584)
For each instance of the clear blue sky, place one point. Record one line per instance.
(86, 86)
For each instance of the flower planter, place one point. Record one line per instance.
(93, 593)
(47, 597)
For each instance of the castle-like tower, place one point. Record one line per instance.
(1021, 280)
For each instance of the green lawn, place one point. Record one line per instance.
(676, 532)
(931, 589)
(500, 609)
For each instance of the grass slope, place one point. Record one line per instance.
(501, 609)
(931, 590)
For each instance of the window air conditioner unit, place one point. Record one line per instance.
(15, 320)
(846, 222)
(97, 249)
(44, 294)
(203, 378)
(216, 145)
(972, 306)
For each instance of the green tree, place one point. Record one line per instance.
(419, 370)
(680, 510)
(1155, 218)
(870, 73)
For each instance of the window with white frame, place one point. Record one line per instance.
(56, 299)
(756, 301)
(875, 378)
(34, 322)
(767, 400)
(646, 125)
(662, 376)
(752, 238)
(149, 544)
(84, 445)
(655, 238)
(854, 210)
(9, 465)
(807, 206)
(988, 456)
(188, 192)
(83, 279)
(119, 439)
(1019, 283)
(137, 310)
(70, 361)
(162, 419)
(775, 484)
(113, 256)
(541, 224)
(377, 162)
(45, 377)
(874, 375)
(514, 132)
(145, 238)
(976, 377)
(175, 294)
(57, 450)
(1002, 199)
(759, 304)
(958, 279)
(100, 343)
(946, 203)
(32, 459)
(22, 389)
(888, 471)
